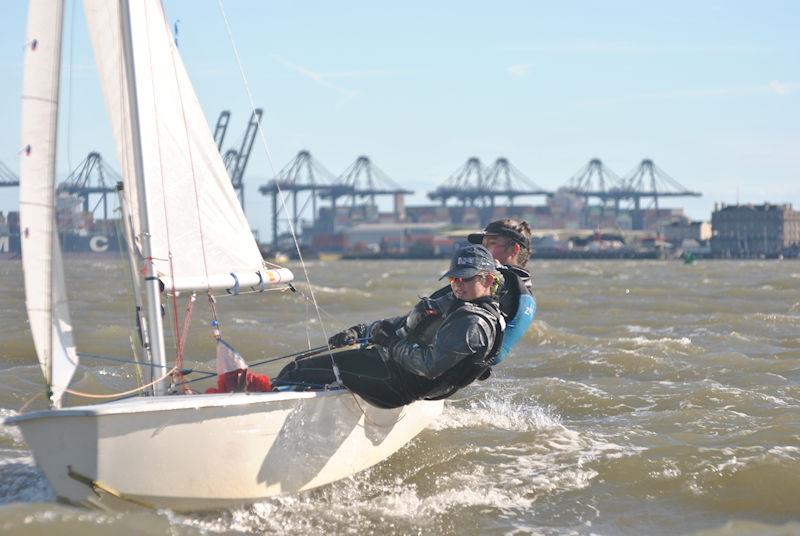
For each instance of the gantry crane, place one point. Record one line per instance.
(236, 160)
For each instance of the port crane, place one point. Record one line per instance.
(236, 160)
(368, 180)
(92, 177)
(221, 128)
(303, 175)
(648, 180)
(595, 180)
(474, 185)
(7, 177)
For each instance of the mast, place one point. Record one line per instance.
(155, 326)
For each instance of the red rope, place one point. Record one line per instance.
(177, 375)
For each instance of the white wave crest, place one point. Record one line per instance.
(9, 431)
(664, 341)
(350, 291)
(633, 328)
(21, 481)
(408, 504)
(245, 321)
(498, 411)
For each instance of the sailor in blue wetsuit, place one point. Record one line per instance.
(509, 242)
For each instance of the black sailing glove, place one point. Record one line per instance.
(348, 336)
(384, 334)
(419, 317)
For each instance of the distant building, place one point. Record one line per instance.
(754, 230)
(678, 231)
(377, 237)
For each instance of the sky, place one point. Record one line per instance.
(709, 90)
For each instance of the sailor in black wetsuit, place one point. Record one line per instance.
(509, 242)
(399, 366)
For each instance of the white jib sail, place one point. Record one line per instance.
(45, 295)
(199, 234)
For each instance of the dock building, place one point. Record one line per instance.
(767, 230)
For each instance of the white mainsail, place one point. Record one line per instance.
(199, 234)
(45, 296)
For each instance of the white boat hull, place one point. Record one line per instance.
(199, 452)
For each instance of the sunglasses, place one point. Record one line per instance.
(461, 280)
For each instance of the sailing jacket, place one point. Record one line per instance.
(515, 298)
(464, 345)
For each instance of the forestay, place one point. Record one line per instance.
(45, 297)
(194, 217)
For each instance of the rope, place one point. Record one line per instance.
(124, 393)
(30, 400)
(297, 355)
(212, 304)
(263, 139)
(177, 376)
(311, 352)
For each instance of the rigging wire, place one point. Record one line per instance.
(69, 84)
(122, 243)
(263, 139)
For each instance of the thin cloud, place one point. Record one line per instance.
(774, 87)
(520, 69)
(318, 78)
(626, 47)
(588, 47)
(738, 91)
(781, 88)
(784, 88)
(360, 74)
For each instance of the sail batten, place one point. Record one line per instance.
(45, 294)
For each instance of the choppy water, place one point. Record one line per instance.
(647, 398)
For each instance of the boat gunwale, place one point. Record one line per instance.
(171, 402)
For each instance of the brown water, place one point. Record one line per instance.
(647, 398)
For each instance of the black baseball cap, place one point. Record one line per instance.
(469, 261)
(498, 228)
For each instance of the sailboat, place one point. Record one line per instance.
(186, 234)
